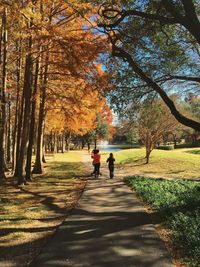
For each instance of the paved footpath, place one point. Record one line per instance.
(108, 228)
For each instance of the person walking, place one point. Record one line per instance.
(111, 165)
(96, 162)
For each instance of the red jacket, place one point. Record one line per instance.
(96, 158)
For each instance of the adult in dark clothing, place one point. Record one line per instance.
(111, 165)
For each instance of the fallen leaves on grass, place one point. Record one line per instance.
(29, 215)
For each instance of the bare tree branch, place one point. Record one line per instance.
(185, 78)
(123, 14)
(119, 52)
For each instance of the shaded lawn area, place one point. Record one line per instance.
(177, 207)
(29, 215)
(178, 163)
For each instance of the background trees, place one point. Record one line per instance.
(154, 121)
(150, 124)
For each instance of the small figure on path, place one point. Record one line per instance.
(96, 162)
(111, 165)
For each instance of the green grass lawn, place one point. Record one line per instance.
(176, 204)
(178, 163)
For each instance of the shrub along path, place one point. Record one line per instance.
(108, 227)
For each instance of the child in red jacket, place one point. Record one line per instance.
(96, 162)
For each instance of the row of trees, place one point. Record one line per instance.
(51, 78)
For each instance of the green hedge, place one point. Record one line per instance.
(168, 147)
(177, 203)
(187, 145)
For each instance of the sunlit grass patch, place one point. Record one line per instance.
(163, 163)
(72, 156)
(16, 235)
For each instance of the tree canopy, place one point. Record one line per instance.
(157, 44)
(52, 79)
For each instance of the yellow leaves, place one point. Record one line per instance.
(55, 120)
(77, 102)
(65, 28)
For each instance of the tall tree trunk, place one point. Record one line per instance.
(19, 132)
(63, 142)
(51, 142)
(43, 150)
(17, 108)
(3, 97)
(55, 142)
(82, 143)
(38, 167)
(58, 143)
(8, 156)
(68, 139)
(32, 123)
(43, 145)
(27, 88)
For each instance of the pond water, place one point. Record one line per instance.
(112, 148)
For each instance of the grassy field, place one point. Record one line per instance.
(30, 214)
(179, 163)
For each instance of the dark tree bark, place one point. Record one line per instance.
(27, 90)
(68, 138)
(55, 142)
(38, 166)
(3, 95)
(51, 141)
(32, 123)
(8, 154)
(148, 152)
(63, 142)
(18, 112)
